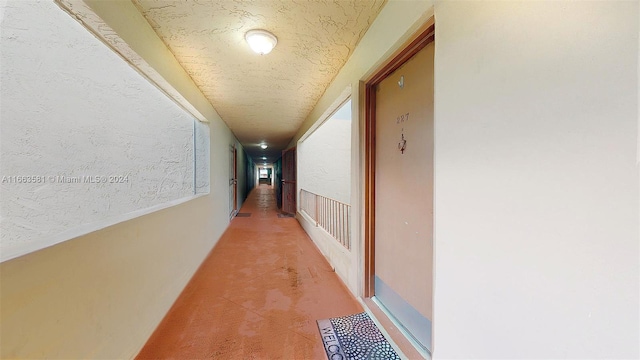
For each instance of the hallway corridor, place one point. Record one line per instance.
(256, 296)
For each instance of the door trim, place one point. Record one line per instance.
(421, 39)
(233, 181)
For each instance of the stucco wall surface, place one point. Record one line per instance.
(202, 161)
(324, 168)
(324, 158)
(100, 140)
(102, 294)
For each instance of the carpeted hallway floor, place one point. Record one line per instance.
(256, 296)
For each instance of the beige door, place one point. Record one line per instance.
(404, 194)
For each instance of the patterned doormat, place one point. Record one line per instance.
(354, 337)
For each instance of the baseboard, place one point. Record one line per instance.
(396, 336)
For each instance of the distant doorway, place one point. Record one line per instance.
(265, 176)
(289, 181)
(233, 181)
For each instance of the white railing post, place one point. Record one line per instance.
(315, 217)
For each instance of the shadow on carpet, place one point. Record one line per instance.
(354, 337)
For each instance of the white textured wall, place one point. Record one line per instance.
(324, 168)
(202, 160)
(70, 107)
(536, 180)
(324, 158)
(102, 294)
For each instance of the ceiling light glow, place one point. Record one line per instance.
(264, 146)
(261, 41)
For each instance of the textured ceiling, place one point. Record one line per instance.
(261, 98)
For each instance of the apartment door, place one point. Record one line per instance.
(403, 193)
(233, 181)
(289, 181)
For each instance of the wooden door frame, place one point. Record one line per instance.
(423, 37)
(235, 179)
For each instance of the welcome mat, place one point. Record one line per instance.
(354, 337)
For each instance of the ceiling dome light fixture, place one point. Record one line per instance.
(261, 41)
(264, 146)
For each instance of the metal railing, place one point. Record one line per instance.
(331, 215)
